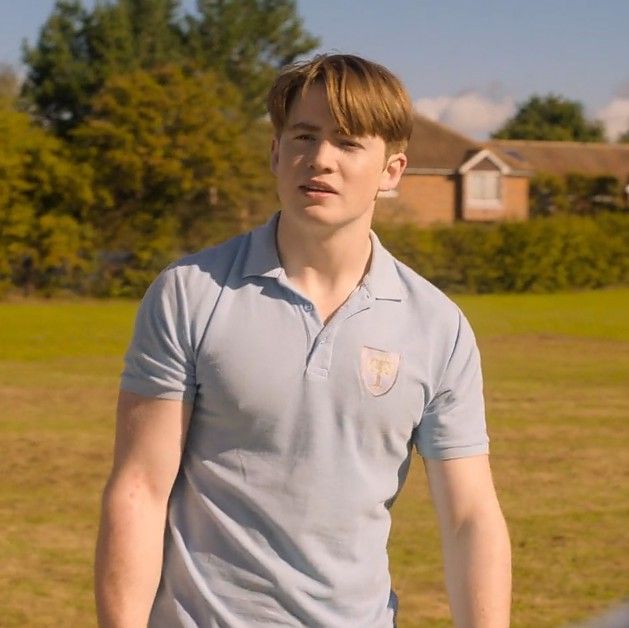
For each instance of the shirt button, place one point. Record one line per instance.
(308, 307)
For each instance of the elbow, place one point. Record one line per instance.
(482, 528)
(130, 493)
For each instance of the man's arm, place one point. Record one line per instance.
(476, 548)
(150, 434)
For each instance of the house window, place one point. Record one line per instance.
(484, 187)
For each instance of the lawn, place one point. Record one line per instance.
(556, 371)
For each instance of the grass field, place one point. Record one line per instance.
(556, 371)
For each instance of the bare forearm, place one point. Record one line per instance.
(128, 556)
(478, 573)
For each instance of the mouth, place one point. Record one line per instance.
(317, 187)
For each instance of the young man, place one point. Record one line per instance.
(274, 389)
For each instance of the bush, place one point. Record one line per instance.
(542, 255)
(574, 193)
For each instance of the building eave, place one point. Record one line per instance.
(485, 153)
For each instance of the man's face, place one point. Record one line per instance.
(324, 176)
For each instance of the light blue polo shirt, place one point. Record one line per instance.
(301, 432)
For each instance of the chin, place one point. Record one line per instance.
(326, 218)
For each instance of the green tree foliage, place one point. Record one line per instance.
(44, 197)
(132, 34)
(551, 118)
(247, 41)
(547, 194)
(541, 255)
(78, 50)
(174, 159)
(61, 79)
(624, 137)
(589, 195)
(574, 193)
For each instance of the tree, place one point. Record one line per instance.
(78, 50)
(547, 194)
(61, 80)
(624, 138)
(132, 34)
(44, 199)
(173, 156)
(247, 41)
(551, 118)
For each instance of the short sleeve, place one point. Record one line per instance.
(453, 423)
(160, 359)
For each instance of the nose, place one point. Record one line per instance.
(322, 156)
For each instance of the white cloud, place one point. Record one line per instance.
(472, 113)
(615, 117)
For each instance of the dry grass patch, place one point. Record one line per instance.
(558, 411)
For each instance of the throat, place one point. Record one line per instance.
(325, 267)
(328, 304)
(328, 291)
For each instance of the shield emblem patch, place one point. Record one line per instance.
(379, 369)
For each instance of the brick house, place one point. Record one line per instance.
(450, 178)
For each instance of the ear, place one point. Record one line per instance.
(275, 154)
(393, 170)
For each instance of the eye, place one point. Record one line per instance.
(349, 143)
(305, 137)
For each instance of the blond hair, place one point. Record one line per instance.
(364, 97)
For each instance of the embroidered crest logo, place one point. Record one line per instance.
(379, 369)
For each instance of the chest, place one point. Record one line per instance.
(272, 380)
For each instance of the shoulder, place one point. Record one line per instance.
(211, 264)
(183, 296)
(194, 277)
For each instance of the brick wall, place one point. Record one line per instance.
(434, 199)
(422, 200)
(516, 196)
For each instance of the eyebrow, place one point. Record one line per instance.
(307, 126)
(304, 126)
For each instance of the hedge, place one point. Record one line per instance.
(560, 252)
(542, 255)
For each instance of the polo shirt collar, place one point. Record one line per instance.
(262, 258)
(382, 280)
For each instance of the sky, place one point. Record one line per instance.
(466, 64)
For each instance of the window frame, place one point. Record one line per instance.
(483, 177)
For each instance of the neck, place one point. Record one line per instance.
(324, 264)
(329, 253)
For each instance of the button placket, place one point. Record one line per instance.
(313, 329)
(323, 348)
(321, 355)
